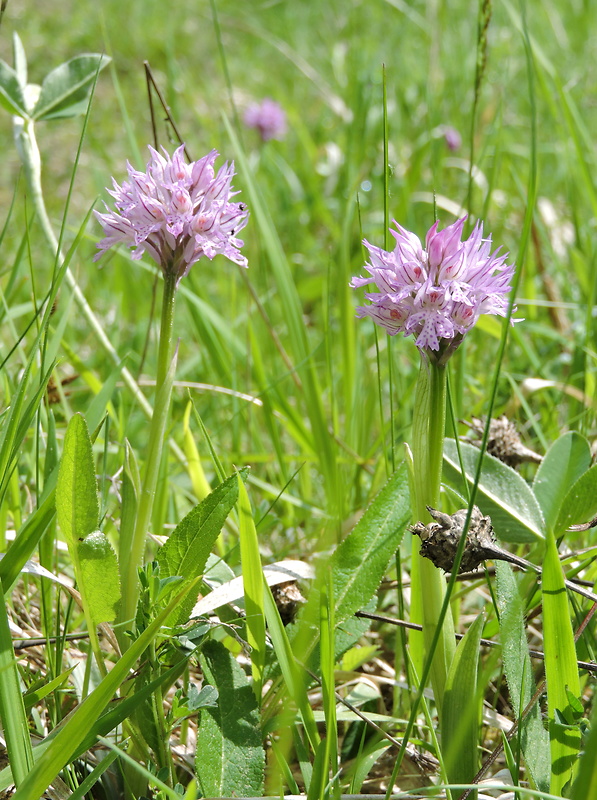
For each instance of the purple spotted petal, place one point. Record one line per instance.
(436, 294)
(175, 212)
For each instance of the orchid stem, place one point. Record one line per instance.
(428, 585)
(131, 560)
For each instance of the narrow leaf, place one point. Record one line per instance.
(253, 586)
(65, 90)
(293, 676)
(519, 675)
(19, 59)
(561, 669)
(361, 560)
(34, 696)
(11, 91)
(12, 709)
(186, 551)
(461, 709)
(230, 757)
(27, 539)
(502, 493)
(585, 785)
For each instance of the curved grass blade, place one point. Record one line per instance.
(461, 709)
(561, 670)
(253, 585)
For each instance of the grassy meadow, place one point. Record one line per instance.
(288, 432)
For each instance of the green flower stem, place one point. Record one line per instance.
(428, 584)
(29, 153)
(28, 150)
(132, 560)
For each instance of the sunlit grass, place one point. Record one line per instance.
(291, 384)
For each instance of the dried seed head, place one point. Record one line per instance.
(288, 598)
(439, 539)
(504, 441)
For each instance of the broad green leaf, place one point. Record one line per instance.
(360, 561)
(253, 587)
(99, 575)
(67, 742)
(519, 675)
(461, 709)
(77, 506)
(565, 461)
(65, 90)
(186, 551)
(230, 757)
(561, 671)
(77, 509)
(36, 524)
(502, 493)
(11, 92)
(580, 504)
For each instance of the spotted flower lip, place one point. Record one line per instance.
(175, 212)
(436, 293)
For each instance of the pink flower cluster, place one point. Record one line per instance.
(176, 212)
(268, 117)
(437, 293)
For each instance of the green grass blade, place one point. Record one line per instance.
(28, 537)
(561, 670)
(293, 315)
(327, 651)
(96, 773)
(461, 709)
(12, 709)
(289, 668)
(32, 697)
(253, 586)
